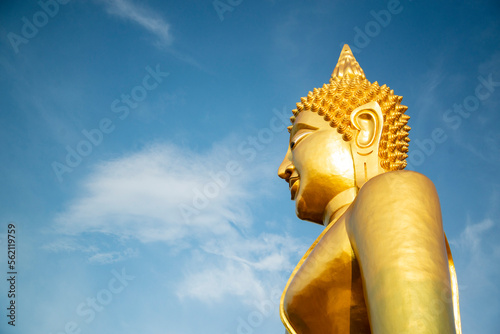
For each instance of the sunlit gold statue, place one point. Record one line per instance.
(383, 264)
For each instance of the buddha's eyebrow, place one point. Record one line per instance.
(300, 126)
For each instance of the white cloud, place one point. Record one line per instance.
(470, 238)
(144, 196)
(68, 245)
(151, 21)
(139, 197)
(211, 284)
(268, 252)
(143, 16)
(250, 268)
(476, 255)
(112, 257)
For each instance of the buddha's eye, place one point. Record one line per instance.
(301, 134)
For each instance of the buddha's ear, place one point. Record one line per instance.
(368, 123)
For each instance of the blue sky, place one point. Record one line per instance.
(141, 142)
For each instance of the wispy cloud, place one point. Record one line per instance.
(471, 236)
(68, 245)
(212, 284)
(142, 16)
(142, 196)
(112, 257)
(246, 267)
(268, 252)
(151, 21)
(139, 197)
(476, 254)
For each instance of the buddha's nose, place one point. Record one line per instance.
(286, 168)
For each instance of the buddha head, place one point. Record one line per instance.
(342, 134)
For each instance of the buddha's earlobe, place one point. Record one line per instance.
(368, 123)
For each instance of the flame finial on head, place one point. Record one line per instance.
(347, 65)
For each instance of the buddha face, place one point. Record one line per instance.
(318, 165)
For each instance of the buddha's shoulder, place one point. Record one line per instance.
(396, 188)
(395, 201)
(392, 205)
(397, 181)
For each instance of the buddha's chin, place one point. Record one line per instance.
(305, 213)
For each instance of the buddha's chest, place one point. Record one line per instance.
(325, 293)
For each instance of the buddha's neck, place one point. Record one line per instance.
(338, 205)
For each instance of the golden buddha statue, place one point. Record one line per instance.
(382, 264)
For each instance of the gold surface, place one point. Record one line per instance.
(382, 264)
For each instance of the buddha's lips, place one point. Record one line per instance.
(293, 186)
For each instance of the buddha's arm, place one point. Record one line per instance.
(396, 232)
